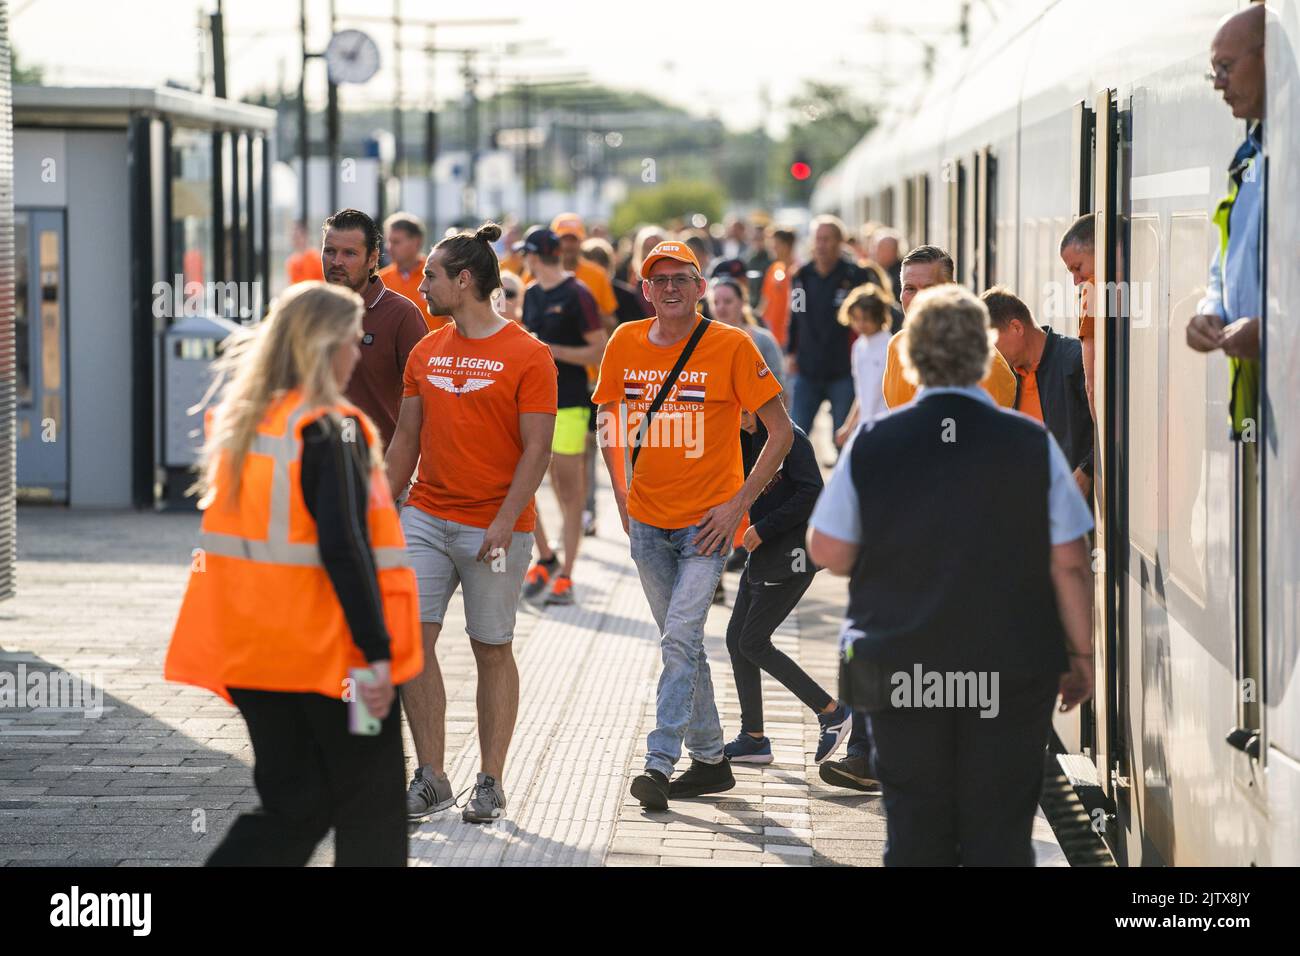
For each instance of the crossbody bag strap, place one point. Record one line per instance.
(669, 382)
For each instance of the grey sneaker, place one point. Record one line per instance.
(430, 792)
(487, 803)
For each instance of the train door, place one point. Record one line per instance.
(1110, 175)
(40, 326)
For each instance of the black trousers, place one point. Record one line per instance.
(960, 788)
(312, 775)
(760, 609)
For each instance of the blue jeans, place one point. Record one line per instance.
(679, 585)
(809, 393)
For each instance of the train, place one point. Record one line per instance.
(1191, 744)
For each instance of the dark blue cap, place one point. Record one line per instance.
(541, 241)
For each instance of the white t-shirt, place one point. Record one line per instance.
(869, 353)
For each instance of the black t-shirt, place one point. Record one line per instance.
(563, 316)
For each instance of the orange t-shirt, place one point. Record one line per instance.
(1029, 403)
(1000, 382)
(776, 295)
(691, 460)
(472, 392)
(409, 286)
(597, 280)
(513, 262)
(304, 266)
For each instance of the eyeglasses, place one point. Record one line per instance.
(659, 283)
(1223, 70)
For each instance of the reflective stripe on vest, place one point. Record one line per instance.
(1243, 380)
(284, 450)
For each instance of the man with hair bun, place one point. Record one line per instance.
(478, 414)
(960, 580)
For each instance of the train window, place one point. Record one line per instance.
(919, 233)
(954, 174)
(1188, 480)
(968, 189)
(909, 207)
(984, 218)
(887, 206)
(1144, 393)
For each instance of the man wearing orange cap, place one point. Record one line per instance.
(404, 237)
(569, 227)
(685, 493)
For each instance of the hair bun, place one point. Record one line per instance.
(488, 232)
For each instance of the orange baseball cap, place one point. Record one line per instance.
(568, 224)
(669, 249)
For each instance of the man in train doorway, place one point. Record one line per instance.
(1228, 318)
(1079, 255)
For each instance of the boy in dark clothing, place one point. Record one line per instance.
(776, 576)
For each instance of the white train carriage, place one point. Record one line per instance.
(1103, 107)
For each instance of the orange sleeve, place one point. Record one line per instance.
(411, 372)
(603, 292)
(897, 389)
(609, 381)
(753, 381)
(1001, 381)
(538, 390)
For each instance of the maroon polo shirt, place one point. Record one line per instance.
(392, 324)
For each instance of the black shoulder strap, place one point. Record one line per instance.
(669, 382)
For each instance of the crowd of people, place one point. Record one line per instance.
(384, 433)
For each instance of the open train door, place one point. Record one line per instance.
(1280, 446)
(1110, 169)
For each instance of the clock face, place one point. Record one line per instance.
(351, 57)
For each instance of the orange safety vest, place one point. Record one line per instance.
(259, 610)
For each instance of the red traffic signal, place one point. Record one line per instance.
(800, 170)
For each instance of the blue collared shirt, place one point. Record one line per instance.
(837, 512)
(1242, 296)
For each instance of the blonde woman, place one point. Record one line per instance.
(300, 608)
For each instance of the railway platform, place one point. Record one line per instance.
(160, 773)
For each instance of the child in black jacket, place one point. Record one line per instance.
(776, 576)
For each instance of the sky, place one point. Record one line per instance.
(704, 58)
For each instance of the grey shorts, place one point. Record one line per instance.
(443, 554)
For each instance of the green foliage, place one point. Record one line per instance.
(666, 202)
(21, 75)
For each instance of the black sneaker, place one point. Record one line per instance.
(701, 778)
(737, 560)
(851, 772)
(651, 788)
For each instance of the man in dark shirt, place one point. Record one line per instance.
(1050, 384)
(392, 324)
(562, 313)
(818, 346)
